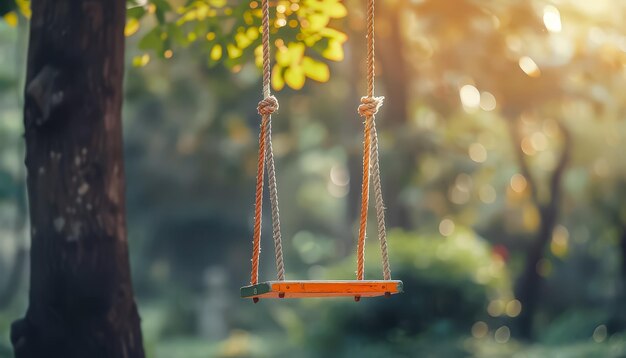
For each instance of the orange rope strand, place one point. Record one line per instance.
(258, 205)
(364, 199)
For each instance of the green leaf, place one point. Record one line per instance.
(334, 34)
(11, 18)
(217, 3)
(24, 7)
(296, 52)
(294, 77)
(152, 41)
(282, 57)
(315, 70)
(242, 40)
(233, 51)
(216, 52)
(278, 83)
(140, 61)
(162, 7)
(132, 26)
(335, 9)
(318, 21)
(136, 12)
(334, 51)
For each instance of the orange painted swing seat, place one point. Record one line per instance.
(282, 288)
(322, 288)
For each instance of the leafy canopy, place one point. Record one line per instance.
(228, 32)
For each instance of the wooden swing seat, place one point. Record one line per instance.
(322, 288)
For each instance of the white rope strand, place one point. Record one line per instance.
(380, 206)
(271, 175)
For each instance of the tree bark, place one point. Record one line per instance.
(81, 301)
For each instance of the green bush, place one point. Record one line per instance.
(448, 283)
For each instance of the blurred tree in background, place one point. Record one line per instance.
(501, 141)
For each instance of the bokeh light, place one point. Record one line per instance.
(529, 66)
(518, 183)
(552, 18)
(470, 96)
(446, 227)
(477, 152)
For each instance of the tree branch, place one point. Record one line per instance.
(557, 175)
(522, 160)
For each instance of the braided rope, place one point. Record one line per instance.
(360, 267)
(371, 68)
(258, 206)
(265, 38)
(368, 108)
(380, 206)
(271, 175)
(266, 107)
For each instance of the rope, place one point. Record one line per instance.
(380, 206)
(258, 206)
(266, 48)
(271, 175)
(368, 108)
(266, 107)
(360, 269)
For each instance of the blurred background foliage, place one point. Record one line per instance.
(502, 157)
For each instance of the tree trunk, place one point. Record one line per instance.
(81, 299)
(530, 282)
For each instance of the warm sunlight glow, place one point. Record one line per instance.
(518, 183)
(527, 146)
(477, 152)
(487, 101)
(446, 227)
(552, 18)
(560, 241)
(496, 308)
(470, 97)
(529, 66)
(337, 191)
(539, 141)
(513, 308)
(339, 175)
(480, 329)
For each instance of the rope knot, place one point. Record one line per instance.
(267, 106)
(369, 106)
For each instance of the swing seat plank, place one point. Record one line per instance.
(322, 288)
